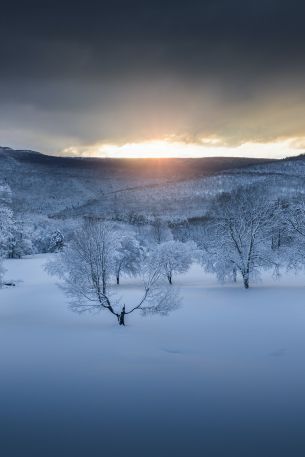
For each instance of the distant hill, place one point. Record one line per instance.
(63, 187)
(68, 187)
(166, 168)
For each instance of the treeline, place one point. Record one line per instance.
(243, 233)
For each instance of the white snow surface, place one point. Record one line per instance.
(223, 375)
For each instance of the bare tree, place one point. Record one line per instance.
(2, 271)
(294, 218)
(240, 235)
(86, 266)
(6, 229)
(160, 230)
(128, 257)
(174, 257)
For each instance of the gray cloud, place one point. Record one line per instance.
(129, 71)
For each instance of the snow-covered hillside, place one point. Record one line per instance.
(228, 362)
(73, 187)
(48, 194)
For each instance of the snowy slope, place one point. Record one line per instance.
(68, 187)
(229, 362)
(73, 187)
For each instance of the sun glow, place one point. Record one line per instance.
(208, 147)
(147, 149)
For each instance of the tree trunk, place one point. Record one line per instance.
(234, 274)
(246, 282)
(118, 279)
(279, 239)
(104, 282)
(121, 317)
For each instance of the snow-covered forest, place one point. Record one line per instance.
(236, 222)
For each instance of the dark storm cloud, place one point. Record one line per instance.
(121, 70)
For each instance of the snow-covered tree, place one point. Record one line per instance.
(2, 271)
(160, 230)
(294, 218)
(19, 242)
(86, 266)
(174, 257)
(6, 225)
(240, 235)
(6, 229)
(128, 257)
(56, 241)
(180, 228)
(92, 251)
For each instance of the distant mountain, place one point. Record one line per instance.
(72, 187)
(64, 187)
(161, 168)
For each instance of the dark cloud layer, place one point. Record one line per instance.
(132, 70)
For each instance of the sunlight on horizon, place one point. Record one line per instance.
(207, 148)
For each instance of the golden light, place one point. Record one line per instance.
(207, 147)
(147, 149)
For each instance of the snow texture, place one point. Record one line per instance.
(222, 376)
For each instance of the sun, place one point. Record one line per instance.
(145, 149)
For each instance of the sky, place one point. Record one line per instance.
(153, 78)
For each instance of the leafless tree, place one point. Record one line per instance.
(294, 218)
(241, 228)
(86, 266)
(174, 257)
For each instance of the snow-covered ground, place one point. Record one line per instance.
(222, 376)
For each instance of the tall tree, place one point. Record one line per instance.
(294, 218)
(240, 234)
(7, 223)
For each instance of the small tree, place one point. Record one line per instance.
(56, 241)
(128, 257)
(174, 257)
(19, 242)
(6, 229)
(2, 271)
(160, 231)
(86, 266)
